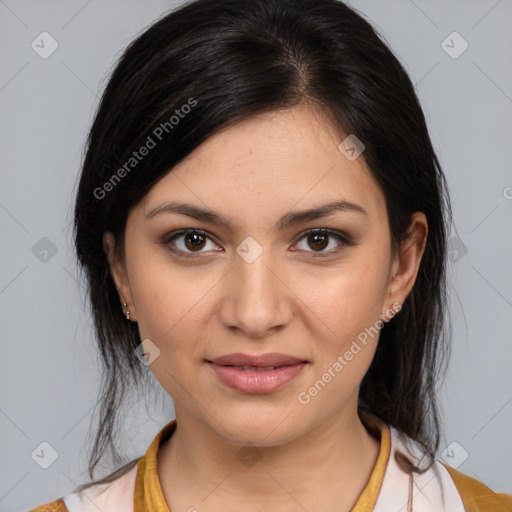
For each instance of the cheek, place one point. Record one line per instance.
(350, 307)
(173, 303)
(168, 308)
(350, 298)
(162, 292)
(170, 312)
(346, 316)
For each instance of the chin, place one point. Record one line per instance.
(258, 426)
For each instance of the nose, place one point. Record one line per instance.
(256, 299)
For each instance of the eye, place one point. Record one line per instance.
(193, 241)
(188, 241)
(319, 239)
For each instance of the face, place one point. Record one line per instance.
(267, 282)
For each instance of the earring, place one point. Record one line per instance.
(127, 313)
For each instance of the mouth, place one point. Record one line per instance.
(257, 376)
(252, 368)
(269, 360)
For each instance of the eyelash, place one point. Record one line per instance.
(341, 238)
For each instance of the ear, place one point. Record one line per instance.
(406, 262)
(119, 273)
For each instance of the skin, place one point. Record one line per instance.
(315, 456)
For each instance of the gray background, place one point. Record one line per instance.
(49, 372)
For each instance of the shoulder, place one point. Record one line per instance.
(116, 495)
(456, 491)
(55, 506)
(476, 496)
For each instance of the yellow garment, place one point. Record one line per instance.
(149, 495)
(476, 496)
(54, 506)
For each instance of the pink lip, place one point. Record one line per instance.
(229, 369)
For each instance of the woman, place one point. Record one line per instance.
(262, 220)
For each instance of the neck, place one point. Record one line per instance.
(327, 467)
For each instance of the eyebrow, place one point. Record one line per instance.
(289, 219)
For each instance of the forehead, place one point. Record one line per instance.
(267, 164)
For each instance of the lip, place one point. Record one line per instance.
(229, 370)
(262, 360)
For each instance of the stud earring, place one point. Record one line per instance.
(127, 312)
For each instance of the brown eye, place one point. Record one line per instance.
(319, 239)
(319, 242)
(194, 241)
(188, 241)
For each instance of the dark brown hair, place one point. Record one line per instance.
(227, 60)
